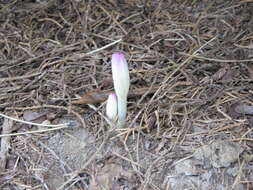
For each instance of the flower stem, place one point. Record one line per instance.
(122, 109)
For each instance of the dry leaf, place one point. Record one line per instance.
(99, 96)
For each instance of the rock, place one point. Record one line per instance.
(32, 115)
(233, 171)
(218, 154)
(244, 109)
(188, 167)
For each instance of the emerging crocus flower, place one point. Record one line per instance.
(111, 107)
(121, 82)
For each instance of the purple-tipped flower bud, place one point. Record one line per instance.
(121, 81)
(120, 74)
(111, 107)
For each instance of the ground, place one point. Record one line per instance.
(190, 105)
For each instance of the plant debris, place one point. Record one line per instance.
(5, 143)
(189, 121)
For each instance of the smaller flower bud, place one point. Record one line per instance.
(112, 107)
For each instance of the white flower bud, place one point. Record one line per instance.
(111, 107)
(121, 82)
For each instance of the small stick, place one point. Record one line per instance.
(5, 143)
(31, 123)
(104, 47)
(33, 132)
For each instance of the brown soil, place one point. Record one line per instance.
(192, 130)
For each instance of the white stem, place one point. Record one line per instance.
(122, 108)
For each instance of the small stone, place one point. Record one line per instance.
(188, 167)
(219, 154)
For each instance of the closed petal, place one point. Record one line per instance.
(111, 107)
(120, 73)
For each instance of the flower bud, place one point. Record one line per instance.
(111, 107)
(121, 82)
(120, 74)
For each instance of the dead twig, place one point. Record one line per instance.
(5, 142)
